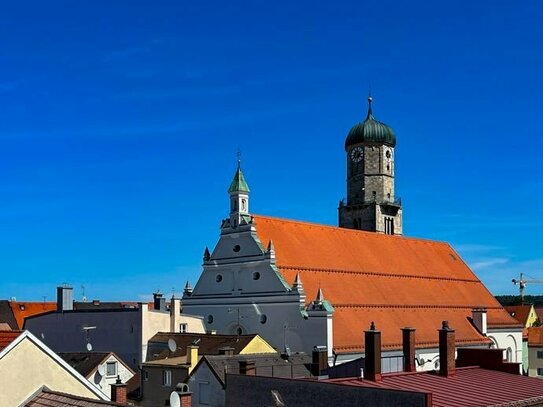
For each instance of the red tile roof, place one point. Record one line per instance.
(519, 312)
(535, 336)
(387, 279)
(469, 387)
(22, 310)
(6, 337)
(49, 398)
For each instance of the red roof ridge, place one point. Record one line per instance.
(420, 344)
(374, 273)
(347, 231)
(432, 306)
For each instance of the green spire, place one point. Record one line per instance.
(238, 183)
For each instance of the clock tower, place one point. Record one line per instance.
(371, 204)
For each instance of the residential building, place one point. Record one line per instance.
(207, 381)
(172, 357)
(48, 398)
(535, 351)
(13, 312)
(301, 284)
(482, 378)
(27, 365)
(122, 328)
(102, 369)
(525, 314)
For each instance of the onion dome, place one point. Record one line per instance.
(370, 131)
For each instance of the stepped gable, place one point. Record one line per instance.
(392, 280)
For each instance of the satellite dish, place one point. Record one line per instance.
(172, 345)
(89, 346)
(175, 400)
(101, 370)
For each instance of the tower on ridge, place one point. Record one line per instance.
(371, 204)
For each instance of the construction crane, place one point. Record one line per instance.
(522, 283)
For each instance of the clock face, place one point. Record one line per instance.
(388, 154)
(357, 154)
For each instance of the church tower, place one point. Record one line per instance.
(371, 204)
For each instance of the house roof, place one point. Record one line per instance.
(273, 365)
(6, 315)
(22, 310)
(520, 312)
(208, 344)
(369, 276)
(469, 387)
(49, 398)
(87, 362)
(11, 346)
(6, 337)
(535, 336)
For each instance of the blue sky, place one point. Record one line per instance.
(120, 123)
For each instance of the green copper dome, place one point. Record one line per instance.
(370, 131)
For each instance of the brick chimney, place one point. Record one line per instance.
(184, 394)
(408, 344)
(373, 354)
(118, 391)
(446, 350)
(159, 302)
(247, 367)
(319, 361)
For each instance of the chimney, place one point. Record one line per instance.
(320, 360)
(227, 351)
(192, 356)
(96, 302)
(184, 394)
(247, 367)
(65, 298)
(373, 354)
(175, 314)
(478, 315)
(159, 302)
(446, 350)
(408, 342)
(118, 391)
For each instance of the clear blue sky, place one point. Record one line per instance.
(120, 122)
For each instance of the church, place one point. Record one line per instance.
(301, 285)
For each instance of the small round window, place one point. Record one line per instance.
(218, 279)
(239, 331)
(256, 275)
(237, 248)
(263, 319)
(388, 154)
(210, 319)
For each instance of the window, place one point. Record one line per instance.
(183, 328)
(218, 279)
(210, 319)
(540, 354)
(256, 275)
(263, 319)
(166, 377)
(203, 393)
(111, 369)
(540, 371)
(509, 354)
(237, 248)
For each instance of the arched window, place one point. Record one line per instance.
(509, 354)
(243, 202)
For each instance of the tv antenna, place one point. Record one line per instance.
(84, 299)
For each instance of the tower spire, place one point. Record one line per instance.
(370, 110)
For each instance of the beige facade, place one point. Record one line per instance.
(535, 361)
(27, 365)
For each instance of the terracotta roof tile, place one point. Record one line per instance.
(387, 279)
(519, 312)
(535, 336)
(469, 387)
(6, 337)
(48, 398)
(22, 310)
